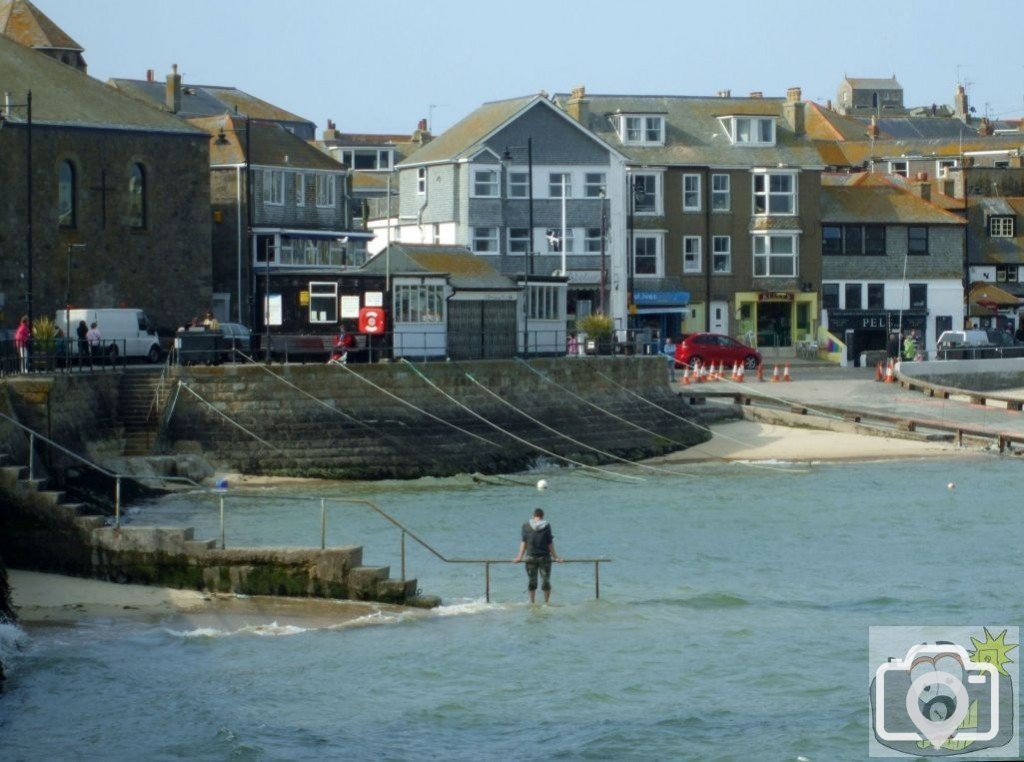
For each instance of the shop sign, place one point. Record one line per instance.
(774, 296)
(663, 298)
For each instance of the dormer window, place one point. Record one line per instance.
(1001, 226)
(645, 130)
(368, 159)
(750, 130)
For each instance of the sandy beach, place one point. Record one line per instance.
(40, 598)
(752, 440)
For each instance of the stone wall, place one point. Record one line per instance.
(343, 422)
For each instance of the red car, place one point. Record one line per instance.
(707, 348)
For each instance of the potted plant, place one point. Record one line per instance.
(44, 343)
(598, 329)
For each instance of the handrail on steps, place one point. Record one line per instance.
(487, 562)
(33, 435)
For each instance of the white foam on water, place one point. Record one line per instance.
(468, 606)
(12, 640)
(271, 630)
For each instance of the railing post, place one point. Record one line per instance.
(487, 581)
(222, 522)
(323, 523)
(597, 580)
(403, 555)
(31, 456)
(117, 503)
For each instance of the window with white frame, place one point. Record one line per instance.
(647, 256)
(421, 181)
(559, 182)
(720, 201)
(721, 254)
(1001, 226)
(642, 130)
(942, 166)
(691, 193)
(485, 240)
(518, 240)
(367, 159)
(325, 186)
(898, 168)
(419, 303)
(485, 183)
(646, 193)
(323, 302)
(775, 256)
(556, 244)
(774, 193)
(544, 303)
(273, 187)
(750, 130)
(594, 184)
(313, 252)
(592, 241)
(518, 185)
(691, 254)
(300, 188)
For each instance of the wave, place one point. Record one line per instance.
(468, 606)
(701, 601)
(12, 640)
(273, 630)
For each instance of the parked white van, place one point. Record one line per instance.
(129, 330)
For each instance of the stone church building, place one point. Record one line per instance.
(106, 200)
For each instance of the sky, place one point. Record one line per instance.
(380, 67)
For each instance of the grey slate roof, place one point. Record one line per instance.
(271, 145)
(868, 83)
(206, 100)
(867, 198)
(23, 22)
(61, 95)
(693, 133)
(465, 269)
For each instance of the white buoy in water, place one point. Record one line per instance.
(542, 484)
(951, 486)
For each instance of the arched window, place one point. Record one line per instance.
(66, 195)
(137, 197)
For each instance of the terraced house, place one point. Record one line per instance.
(535, 192)
(722, 212)
(892, 261)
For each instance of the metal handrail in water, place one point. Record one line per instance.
(486, 562)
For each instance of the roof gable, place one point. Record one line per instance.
(22, 22)
(270, 145)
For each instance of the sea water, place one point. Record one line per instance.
(732, 623)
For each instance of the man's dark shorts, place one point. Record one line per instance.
(542, 565)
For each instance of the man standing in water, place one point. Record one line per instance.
(538, 545)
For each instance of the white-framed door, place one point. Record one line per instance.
(720, 317)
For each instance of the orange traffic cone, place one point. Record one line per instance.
(732, 376)
(785, 374)
(712, 372)
(739, 373)
(760, 372)
(879, 373)
(686, 376)
(775, 374)
(702, 373)
(890, 373)
(720, 375)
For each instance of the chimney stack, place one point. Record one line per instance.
(757, 94)
(793, 111)
(985, 128)
(961, 109)
(725, 93)
(172, 98)
(331, 132)
(578, 107)
(873, 127)
(422, 135)
(149, 75)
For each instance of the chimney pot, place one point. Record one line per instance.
(793, 94)
(421, 125)
(149, 75)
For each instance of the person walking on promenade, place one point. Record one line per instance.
(669, 351)
(892, 348)
(538, 546)
(23, 343)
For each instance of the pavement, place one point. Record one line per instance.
(856, 389)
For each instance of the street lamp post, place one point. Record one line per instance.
(67, 304)
(507, 157)
(4, 117)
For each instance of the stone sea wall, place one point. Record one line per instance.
(357, 422)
